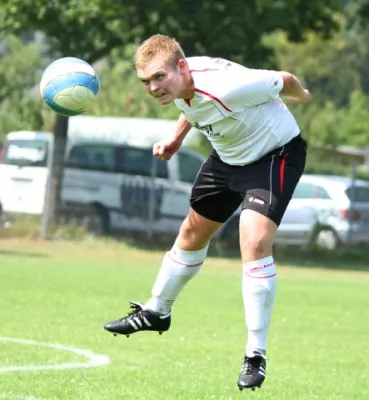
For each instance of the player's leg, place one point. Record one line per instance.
(259, 283)
(188, 253)
(275, 177)
(178, 267)
(182, 262)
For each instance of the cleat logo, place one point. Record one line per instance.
(146, 321)
(136, 323)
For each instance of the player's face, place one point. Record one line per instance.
(161, 80)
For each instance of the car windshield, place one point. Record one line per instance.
(25, 153)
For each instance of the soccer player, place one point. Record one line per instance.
(258, 158)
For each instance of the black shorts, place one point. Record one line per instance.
(265, 186)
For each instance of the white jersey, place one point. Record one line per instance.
(238, 109)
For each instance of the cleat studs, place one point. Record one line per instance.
(127, 336)
(115, 334)
(160, 333)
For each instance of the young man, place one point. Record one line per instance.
(258, 159)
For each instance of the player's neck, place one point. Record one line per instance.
(188, 87)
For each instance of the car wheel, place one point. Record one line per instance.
(326, 239)
(97, 223)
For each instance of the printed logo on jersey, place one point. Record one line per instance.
(208, 130)
(221, 61)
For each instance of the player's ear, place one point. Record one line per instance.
(182, 65)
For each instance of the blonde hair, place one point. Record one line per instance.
(158, 46)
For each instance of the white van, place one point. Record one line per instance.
(108, 169)
(25, 158)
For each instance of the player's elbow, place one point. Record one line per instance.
(289, 83)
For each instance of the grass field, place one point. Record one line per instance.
(62, 293)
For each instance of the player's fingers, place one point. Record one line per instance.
(166, 155)
(158, 149)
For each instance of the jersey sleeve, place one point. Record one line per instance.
(240, 87)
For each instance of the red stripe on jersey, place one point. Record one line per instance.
(214, 98)
(204, 70)
(188, 102)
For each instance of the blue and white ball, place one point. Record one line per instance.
(69, 86)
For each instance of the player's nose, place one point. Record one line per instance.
(154, 87)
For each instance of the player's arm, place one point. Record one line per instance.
(293, 89)
(239, 87)
(183, 127)
(165, 149)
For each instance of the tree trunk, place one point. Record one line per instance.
(60, 141)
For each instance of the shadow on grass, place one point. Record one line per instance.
(20, 253)
(351, 258)
(355, 258)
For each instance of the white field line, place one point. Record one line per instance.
(93, 359)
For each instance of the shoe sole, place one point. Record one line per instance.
(116, 334)
(252, 388)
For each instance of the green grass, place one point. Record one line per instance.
(64, 292)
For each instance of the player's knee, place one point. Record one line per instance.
(255, 247)
(190, 239)
(196, 232)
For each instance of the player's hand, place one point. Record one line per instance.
(300, 100)
(165, 149)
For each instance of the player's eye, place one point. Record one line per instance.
(145, 82)
(160, 77)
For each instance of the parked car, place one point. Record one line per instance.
(325, 211)
(128, 188)
(123, 186)
(112, 179)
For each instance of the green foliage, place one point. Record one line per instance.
(107, 31)
(92, 28)
(19, 99)
(334, 72)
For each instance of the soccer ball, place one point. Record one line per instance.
(69, 86)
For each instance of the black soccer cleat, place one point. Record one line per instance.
(140, 319)
(253, 372)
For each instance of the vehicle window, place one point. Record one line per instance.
(189, 167)
(358, 194)
(25, 153)
(321, 193)
(92, 157)
(306, 190)
(136, 161)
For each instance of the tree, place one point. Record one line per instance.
(90, 29)
(335, 71)
(19, 66)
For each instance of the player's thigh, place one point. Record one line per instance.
(212, 203)
(274, 179)
(257, 233)
(196, 231)
(268, 186)
(211, 196)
